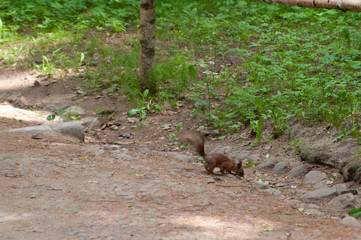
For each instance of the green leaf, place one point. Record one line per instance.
(355, 212)
(157, 107)
(82, 56)
(222, 137)
(50, 117)
(75, 118)
(192, 72)
(143, 115)
(179, 126)
(133, 112)
(269, 229)
(59, 111)
(258, 103)
(145, 94)
(251, 164)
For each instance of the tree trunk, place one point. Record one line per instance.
(344, 5)
(147, 40)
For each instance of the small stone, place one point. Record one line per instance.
(211, 181)
(297, 171)
(126, 157)
(144, 149)
(343, 202)
(314, 177)
(114, 127)
(350, 221)
(37, 136)
(320, 194)
(280, 168)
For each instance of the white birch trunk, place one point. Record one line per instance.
(344, 5)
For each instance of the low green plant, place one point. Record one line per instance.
(256, 126)
(145, 105)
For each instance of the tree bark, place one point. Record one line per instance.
(147, 42)
(344, 5)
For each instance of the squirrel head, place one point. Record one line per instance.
(239, 170)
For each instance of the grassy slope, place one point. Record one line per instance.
(254, 61)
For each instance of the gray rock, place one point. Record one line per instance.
(320, 194)
(297, 171)
(259, 185)
(226, 150)
(314, 177)
(350, 221)
(69, 128)
(343, 202)
(51, 107)
(185, 158)
(293, 202)
(341, 187)
(240, 155)
(310, 206)
(13, 97)
(269, 164)
(182, 157)
(255, 158)
(74, 129)
(311, 156)
(75, 110)
(275, 192)
(318, 156)
(280, 168)
(314, 212)
(352, 170)
(90, 122)
(3, 96)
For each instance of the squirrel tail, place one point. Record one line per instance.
(196, 140)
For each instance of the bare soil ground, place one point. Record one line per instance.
(58, 188)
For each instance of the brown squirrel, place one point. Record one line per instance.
(212, 160)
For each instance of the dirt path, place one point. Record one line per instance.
(58, 188)
(53, 190)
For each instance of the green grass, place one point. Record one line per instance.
(255, 62)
